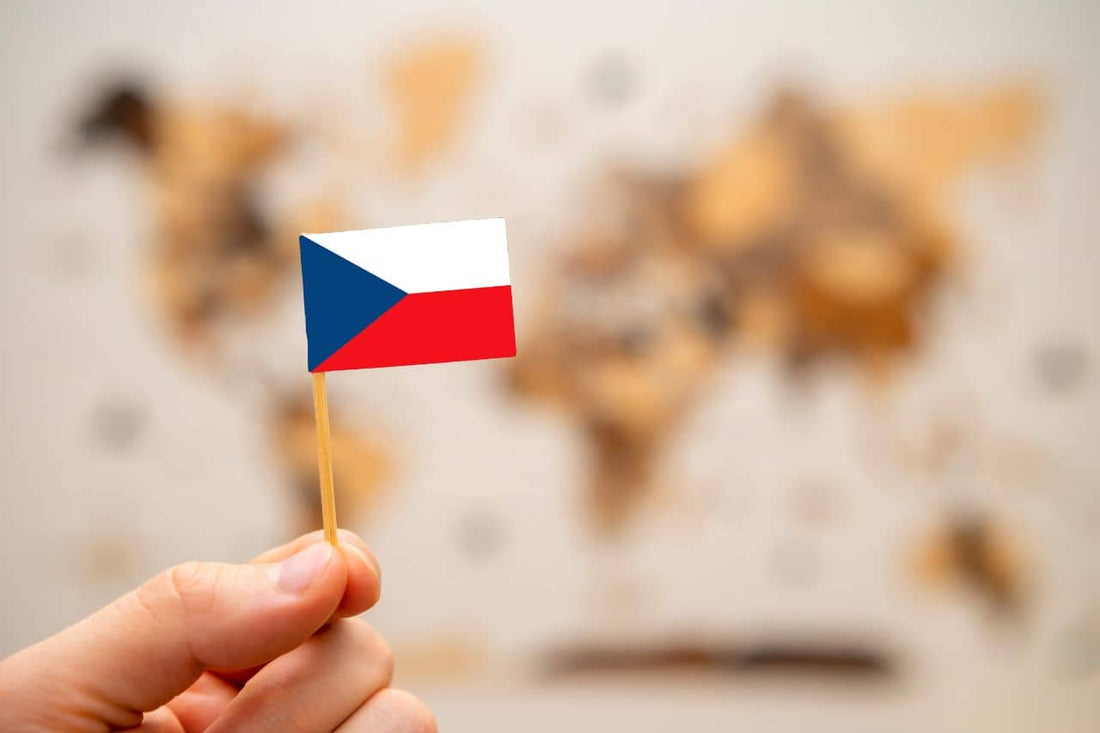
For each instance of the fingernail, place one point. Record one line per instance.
(298, 572)
(368, 557)
(367, 560)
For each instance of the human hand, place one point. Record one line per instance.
(214, 647)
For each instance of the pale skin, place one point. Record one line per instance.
(266, 646)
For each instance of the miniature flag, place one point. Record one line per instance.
(407, 295)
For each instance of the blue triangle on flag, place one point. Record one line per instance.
(341, 299)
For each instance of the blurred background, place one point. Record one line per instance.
(802, 429)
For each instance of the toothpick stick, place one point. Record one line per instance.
(324, 457)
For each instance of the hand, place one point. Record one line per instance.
(215, 647)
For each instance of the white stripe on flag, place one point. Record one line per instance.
(428, 258)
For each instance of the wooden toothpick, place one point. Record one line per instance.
(324, 457)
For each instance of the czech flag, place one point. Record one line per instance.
(407, 295)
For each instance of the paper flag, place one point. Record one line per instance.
(407, 295)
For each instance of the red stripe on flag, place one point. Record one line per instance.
(425, 328)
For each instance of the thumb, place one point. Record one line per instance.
(148, 646)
